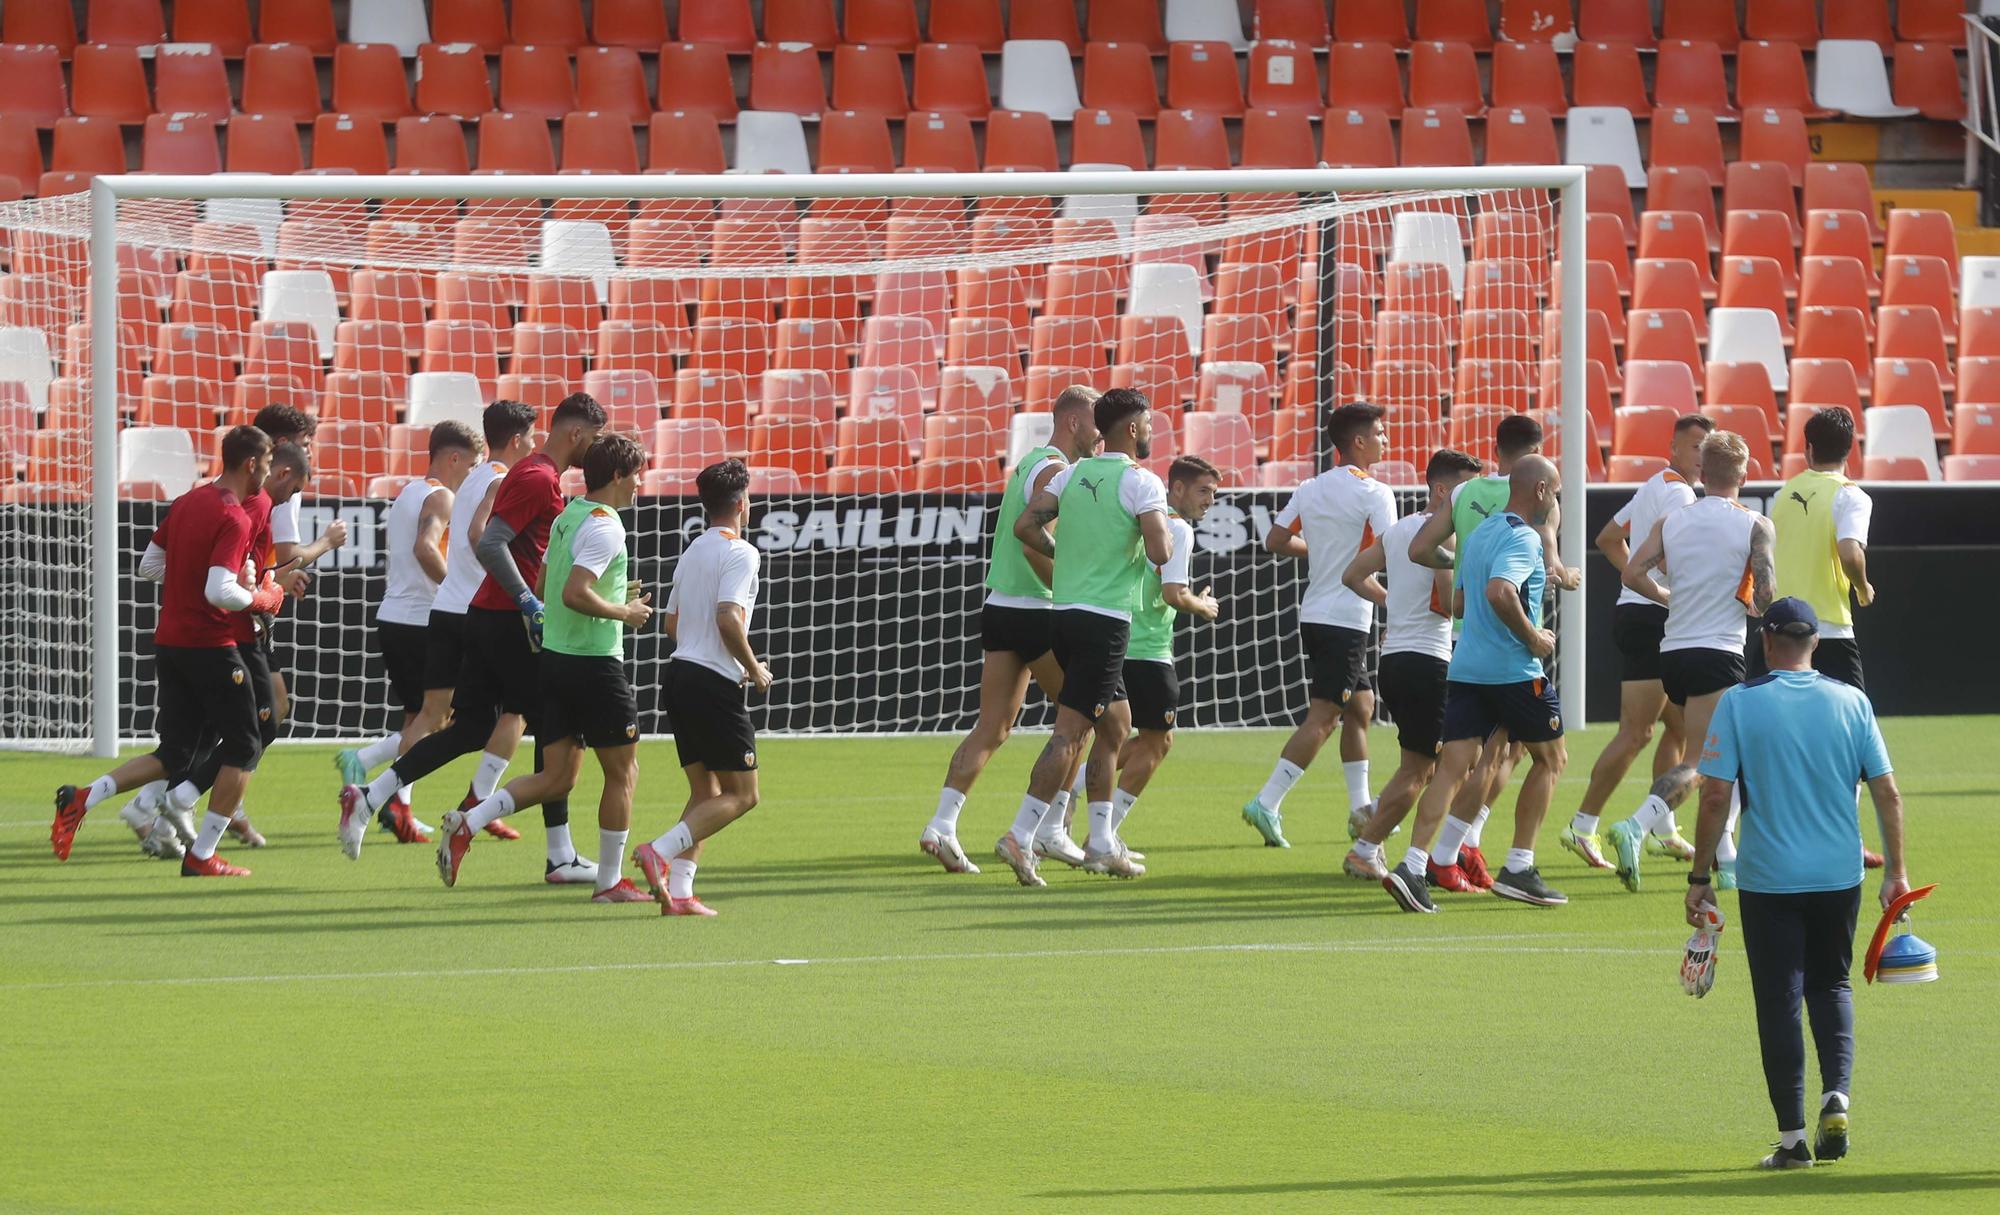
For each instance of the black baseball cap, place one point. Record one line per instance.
(1791, 616)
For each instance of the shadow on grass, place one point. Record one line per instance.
(1659, 1184)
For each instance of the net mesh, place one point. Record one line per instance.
(879, 362)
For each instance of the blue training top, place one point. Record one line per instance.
(1796, 743)
(1488, 652)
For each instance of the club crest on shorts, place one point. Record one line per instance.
(632, 731)
(263, 715)
(1346, 694)
(749, 759)
(1556, 724)
(1099, 710)
(1169, 717)
(236, 675)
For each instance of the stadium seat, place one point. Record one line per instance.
(1528, 74)
(1118, 76)
(786, 77)
(160, 454)
(1782, 20)
(869, 79)
(1357, 139)
(105, 82)
(1672, 283)
(1036, 75)
(452, 81)
(132, 23)
(1941, 21)
(556, 23)
(1900, 447)
(1107, 137)
(1825, 381)
(922, 296)
(1914, 331)
(1666, 334)
(342, 141)
(1914, 232)
(770, 143)
(368, 82)
(1202, 76)
(1283, 76)
(1842, 234)
(682, 446)
(1776, 137)
(1911, 382)
(1750, 335)
(637, 25)
(1677, 234)
(1975, 427)
(1755, 282)
(1919, 280)
(1773, 75)
(536, 80)
(1020, 141)
(684, 142)
(429, 144)
(1688, 139)
(1190, 139)
(1436, 137)
(479, 23)
(611, 80)
(173, 144)
(1972, 468)
(1702, 21)
(1226, 441)
(1750, 185)
(88, 145)
(1861, 20)
(939, 142)
(1521, 135)
(1849, 77)
(1833, 333)
(1365, 76)
(1688, 75)
(1604, 135)
(1444, 75)
(792, 442)
(1643, 430)
(1277, 139)
(598, 143)
(694, 79)
(1663, 384)
(304, 296)
(461, 347)
(1606, 74)
(1979, 331)
(190, 79)
(1461, 21)
(1627, 470)
(1926, 80)
(950, 78)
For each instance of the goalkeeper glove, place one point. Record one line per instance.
(531, 614)
(268, 598)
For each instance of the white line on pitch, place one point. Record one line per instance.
(1502, 943)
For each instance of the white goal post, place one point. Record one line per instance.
(1322, 195)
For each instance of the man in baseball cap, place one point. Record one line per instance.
(1791, 741)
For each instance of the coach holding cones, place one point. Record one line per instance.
(1795, 743)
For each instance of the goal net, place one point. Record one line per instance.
(880, 351)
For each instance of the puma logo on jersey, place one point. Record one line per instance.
(1092, 486)
(1482, 511)
(1805, 503)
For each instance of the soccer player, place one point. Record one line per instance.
(1496, 682)
(289, 556)
(1794, 743)
(503, 632)
(1636, 626)
(1822, 547)
(587, 699)
(1416, 656)
(509, 429)
(1329, 519)
(416, 528)
(1152, 687)
(708, 616)
(1720, 554)
(204, 687)
(1014, 642)
(1114, 521)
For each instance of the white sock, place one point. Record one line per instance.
(1283, 777)
(1478, 828)
(950, 802)
(1450, 836)
(1791, 1139)
(1367, 851)
(404, 793)
(1831, 1097)
(1416, 860)
(677, 840)
(1520, 860)
(184, 796)
(1079, 790)
(680, 878)
(212, 827)
(100, 789)
(1584, 824)
(1121, 805)
(610, 857)
(1100, 827)
(382, 788)
(380, 752)
(1725, 848)
(1356, 772)
(239, 815)
(1028, 820)
(1058, 811)
(1649, 812)
(497, 806)
(561, 851)
(150, 796)
(1664, 826)
(486, 777)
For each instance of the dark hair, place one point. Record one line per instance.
(243, 443)
(1690, 421)
(504, 421)
(452, 433)
(1516, 435)
(1449, 461)
(722, 486)
(1191, 468)
(285, 423)
(609, 458)
(1829, 435)
(292, 456)
(578, 407)
(1350, 421)
(1115, 406)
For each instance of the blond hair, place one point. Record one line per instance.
(1724, 452)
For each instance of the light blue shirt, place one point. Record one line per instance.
(1503, 547)
(1796, 743)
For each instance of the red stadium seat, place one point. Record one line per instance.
(950, 78)
(638, 25)
(1118, 76)
(1190, 139)
(1608, 74)
(481, 23)
(1357, 139)
(1277, 139)
(611, 80)
(88, 145)
(1755, 282)
(694, 79)
(1677, 234)
(1836, 282)
(1842, 187)
(173, 144)
(1686, 138)
(1666, 334)
(1226, 441)
(1365, 76)
(1859, 20)
(785, 77)
(869, 79)
(1528, 74)
(105, 82)
(549, 23)
(306, 22)
(1435, 137)
(1050, 20)
(342, 141)
(1203, 76)
(599, 143)
(1521, 135)
(1283, 76)
(430, 144)
(1914, 332)
(452, 81)
(515, 143)
(1825, 381)
(536, 80)
(368, 82)
(1535, 20)
(1911, 382)
(1926, 76)
(1833, 333)
(1462, 21)
(1444, 75)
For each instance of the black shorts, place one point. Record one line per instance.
(709, 717)
(1023, 631)
(405, 654)
(1336, 661)
(1091, 648)
(500, 671)
(1834, 657)
(1413, 691)
(1154, 688)
(444, 649)
(1528, 711)
(205, 696)
(588, 698)
(1636, 629)
(1689, 673)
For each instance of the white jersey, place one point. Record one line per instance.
(462, 571)
(719, 567)
(1707, 545)
(1661, 494)
(408, 596)
(1853, 510)
(1340, 512)
(1418, 623)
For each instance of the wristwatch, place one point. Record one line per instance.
(1698, 879)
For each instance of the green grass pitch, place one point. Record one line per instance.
(1242, 1029)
